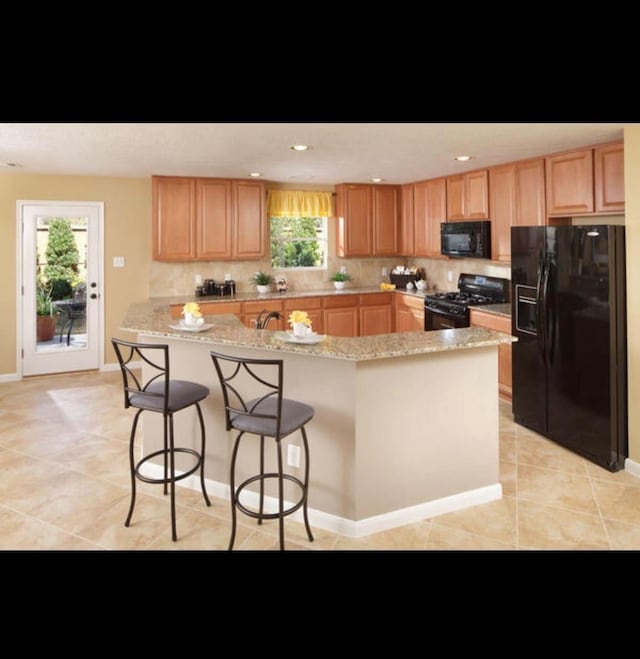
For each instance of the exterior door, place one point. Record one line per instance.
(60, 277)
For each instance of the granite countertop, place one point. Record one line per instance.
(153, 318)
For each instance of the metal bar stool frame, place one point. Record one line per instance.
(271, 426)
(155, 395)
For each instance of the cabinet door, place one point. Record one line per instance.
(313, 307)
(406, 241)
(409, 313)
(476, 195)
(430, 209)
(530, 207)
(385, 220)
(569, 183)
(609, 178)
(502, 201)
(354, 213)
(341, 321)
(173, 228)
(375, 320)
(499, 324)
(249, 220)
(455, 197)
(214, 219)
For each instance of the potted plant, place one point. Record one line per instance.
(262, 281)
(45, 314)
(339, 279)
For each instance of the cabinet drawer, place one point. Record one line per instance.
(371, 299)
(209, 308)
(410, 301)
(257, 306)
(338, 301)
(303, 303)
(491, 321)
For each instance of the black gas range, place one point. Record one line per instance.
(451, 310)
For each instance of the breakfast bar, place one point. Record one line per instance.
(389, 442)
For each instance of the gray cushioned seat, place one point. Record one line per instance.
(181, 395)
(294, 415)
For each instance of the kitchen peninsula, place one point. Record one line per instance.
(389, 443)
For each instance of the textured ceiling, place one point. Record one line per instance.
(340, 152)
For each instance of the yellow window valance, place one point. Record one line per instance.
(299, 203)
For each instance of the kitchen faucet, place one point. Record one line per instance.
(261, 323)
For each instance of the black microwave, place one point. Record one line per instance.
(466, 239)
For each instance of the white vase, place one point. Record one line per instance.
(192, 321)
(263, 288)
(300, 329)
(339, 285)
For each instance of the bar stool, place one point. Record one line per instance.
(165, 396)
(266, 414)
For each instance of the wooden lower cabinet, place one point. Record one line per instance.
(251, 311)
(499, 324)
(409, 312)
(341, 315)
(210, 309)
(313, 307)
(375, 314)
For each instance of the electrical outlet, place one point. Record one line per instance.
(384, 272)
(198, 280)
(293, 455)
(449, 275)
(343, 269)
(118, 261)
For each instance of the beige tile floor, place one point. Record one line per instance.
(64, 485)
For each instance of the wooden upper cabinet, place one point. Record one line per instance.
(173, 228)
(502, 189)
(516, 194)
(430, 210)
(455, 197)
(569, 178)
(205, 219)
(468, 196)
(530, 206)
(354, 214)
(213, 209)
(249, 219)
(385, 220)
(406, 244)
(608, 162)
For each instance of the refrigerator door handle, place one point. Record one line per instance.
(550, 316)
(541, 316)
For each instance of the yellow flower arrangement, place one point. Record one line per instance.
(192, 308)
(299, 317)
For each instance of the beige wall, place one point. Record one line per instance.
(127, 220)
(632, 234)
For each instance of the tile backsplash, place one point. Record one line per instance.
(179, 278)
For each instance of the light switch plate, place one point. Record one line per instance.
(118, 261)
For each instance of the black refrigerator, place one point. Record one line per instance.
(570, 359)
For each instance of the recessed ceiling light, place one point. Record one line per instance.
(462, 158)
(255, 174)
(377, 180)
(299, 147)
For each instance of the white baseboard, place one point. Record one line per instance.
(632, 467)
(348, 527)
(9, 377)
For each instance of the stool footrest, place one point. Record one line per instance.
(161, 481)
(257, 515)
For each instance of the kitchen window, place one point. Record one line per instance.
(298, 242)
(298, 228)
